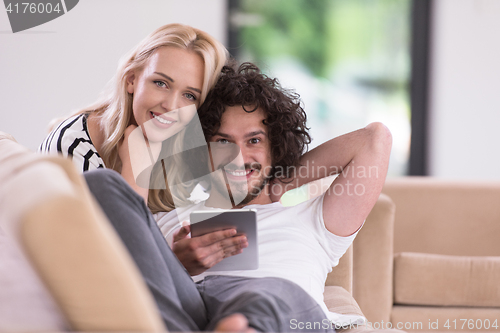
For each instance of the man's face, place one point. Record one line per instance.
(247, 175)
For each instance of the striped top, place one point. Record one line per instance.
(71, 139)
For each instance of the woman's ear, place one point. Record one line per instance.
(131, 82)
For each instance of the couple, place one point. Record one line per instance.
(170, 71)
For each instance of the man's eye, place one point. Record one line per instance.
(254, 140)
(160, 84)
(222, 141)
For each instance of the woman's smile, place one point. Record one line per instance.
(164, 121)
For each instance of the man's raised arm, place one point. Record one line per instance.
(360, 159)
(363, 157)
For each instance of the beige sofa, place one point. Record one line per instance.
(62, 266)
(446, 257)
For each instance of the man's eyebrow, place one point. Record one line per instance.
(224, 135)
(172, 80)
(254, 133)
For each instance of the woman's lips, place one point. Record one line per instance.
(161, 120)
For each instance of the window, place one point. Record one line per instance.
(348, 59)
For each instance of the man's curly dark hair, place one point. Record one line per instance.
(285, 118)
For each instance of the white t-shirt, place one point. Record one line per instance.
(294, 244)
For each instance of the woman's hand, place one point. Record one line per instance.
(137, 155)
(123, 148)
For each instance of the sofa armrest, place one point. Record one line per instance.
(373, 262)
(47, 207)
(84, 264)
(339, 300)
(7, 136)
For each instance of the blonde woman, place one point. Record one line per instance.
(158, 86)
(162, 81)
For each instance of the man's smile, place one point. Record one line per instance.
(243, 173)
(239, 175)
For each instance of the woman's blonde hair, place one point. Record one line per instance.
(114, 108)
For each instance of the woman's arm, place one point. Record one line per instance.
(138, 156)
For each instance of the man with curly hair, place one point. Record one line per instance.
(298, 245)
(246, 93)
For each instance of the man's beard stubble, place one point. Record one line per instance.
(237, 189)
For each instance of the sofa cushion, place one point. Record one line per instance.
(444, 280)
(441, 319)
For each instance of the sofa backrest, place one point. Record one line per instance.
(445, 217)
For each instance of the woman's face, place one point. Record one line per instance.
(166, 92)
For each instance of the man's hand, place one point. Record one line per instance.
(198, 254)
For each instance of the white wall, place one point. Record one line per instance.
(51, 70)
(61, 66)
(465, 90)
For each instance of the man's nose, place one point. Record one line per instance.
(245, 153)
(238, 155)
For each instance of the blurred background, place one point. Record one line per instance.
(349, 61)
(428, 69)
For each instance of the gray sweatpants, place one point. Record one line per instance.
(270, 304)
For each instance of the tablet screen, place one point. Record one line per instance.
(244, 221)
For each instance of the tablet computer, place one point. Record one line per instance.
(244, 221)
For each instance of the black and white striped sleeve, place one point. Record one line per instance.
(71, 139)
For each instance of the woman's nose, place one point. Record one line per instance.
(170, 102)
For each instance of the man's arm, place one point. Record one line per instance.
(363, 157)
(360, 159)
(366, 149)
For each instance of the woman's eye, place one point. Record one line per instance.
(191, 97)
(254, 140)
(222, 141)
(160, 84)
